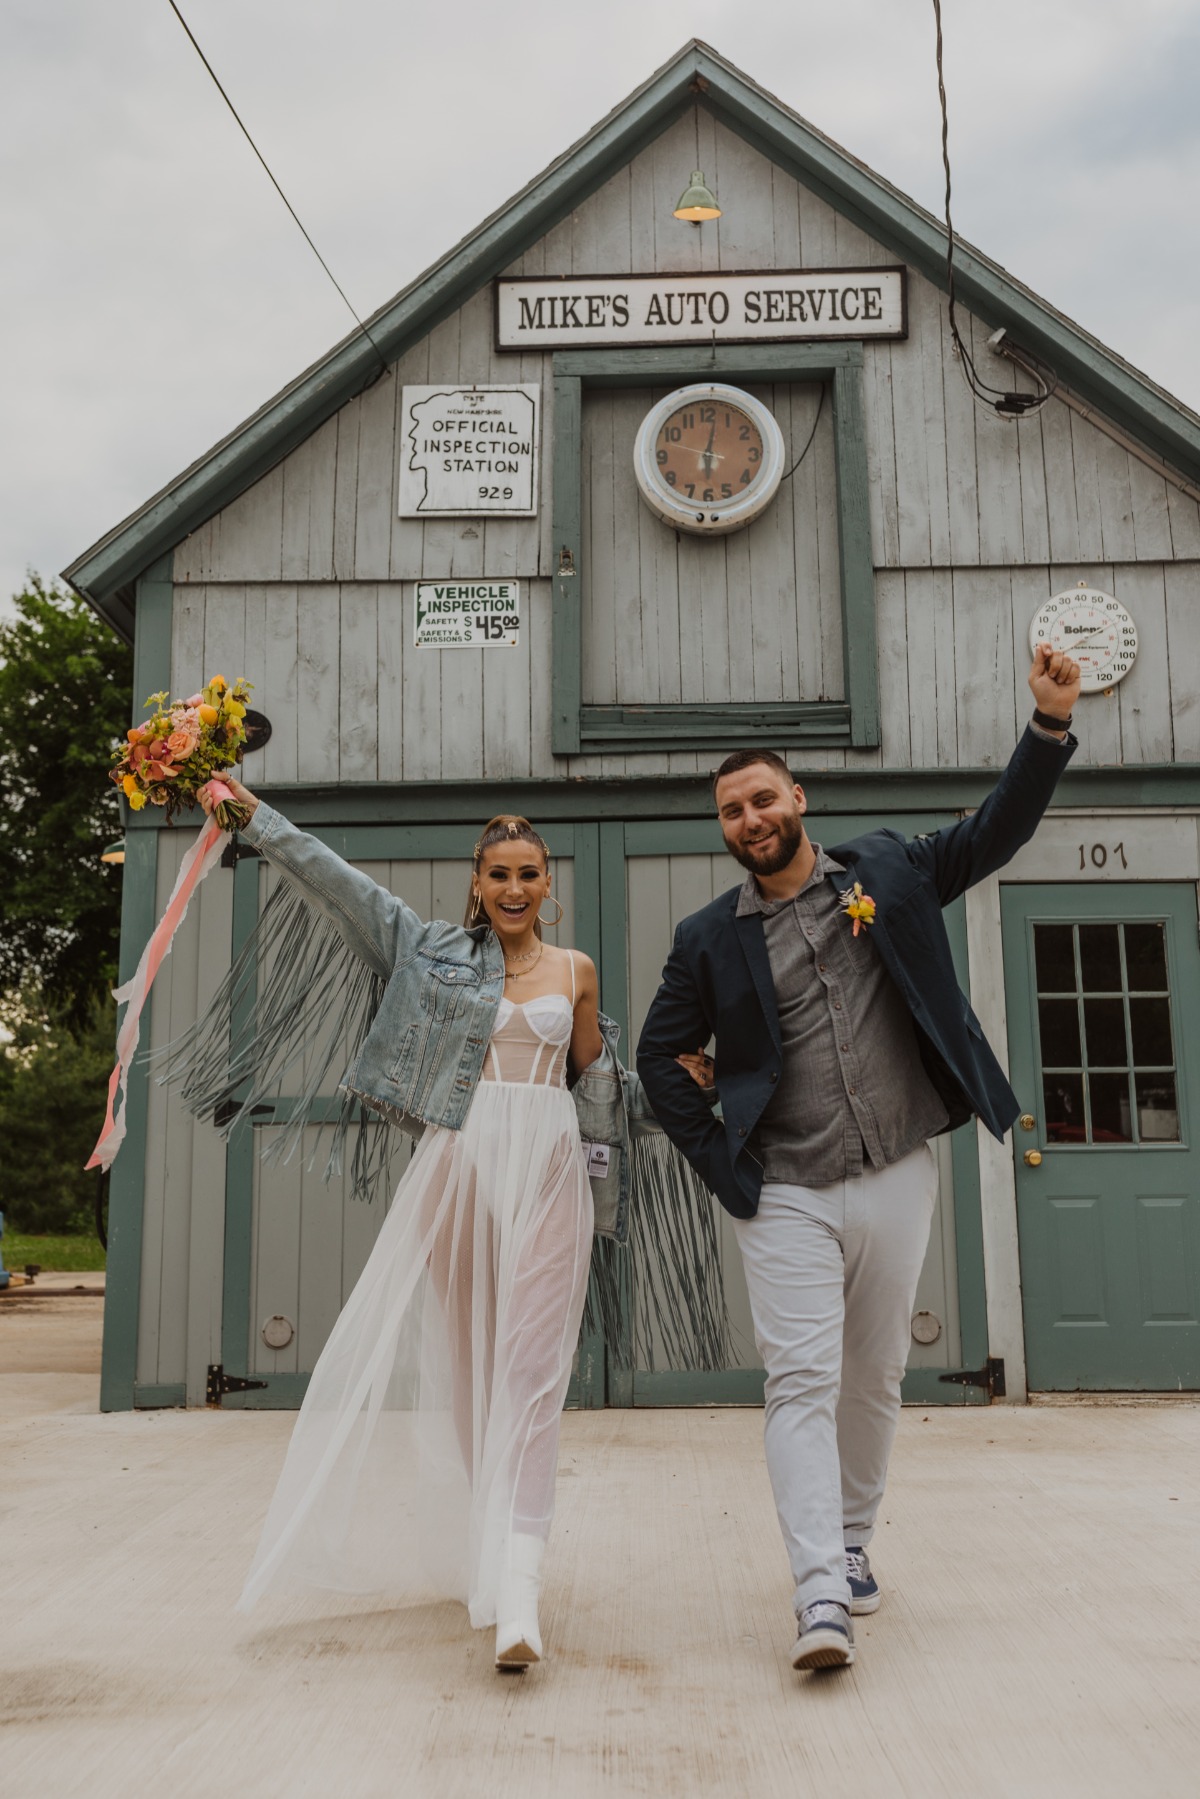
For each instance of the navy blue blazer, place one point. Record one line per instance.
(717, 981)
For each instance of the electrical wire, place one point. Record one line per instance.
(808, 446)
(997, 399)
(262, 159)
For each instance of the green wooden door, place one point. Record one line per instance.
(1101, 981)
(652, 875)
(294, 1243)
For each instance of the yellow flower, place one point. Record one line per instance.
(136, 801)
(235, 709)
(217, 684)
(859, 906)
(208, 714)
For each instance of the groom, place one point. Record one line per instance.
(843, 1044)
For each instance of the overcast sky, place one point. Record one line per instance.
(156, 291)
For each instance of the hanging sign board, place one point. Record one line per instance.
(467, 615)
(776, 306)
(469, 450)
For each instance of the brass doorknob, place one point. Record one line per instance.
(1033, 1158)
(1027, 1121)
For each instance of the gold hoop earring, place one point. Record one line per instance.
(551, 922)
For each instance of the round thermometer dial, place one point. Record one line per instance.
(1093, 628)
(709, 458)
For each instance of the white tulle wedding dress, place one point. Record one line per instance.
(428, 1438)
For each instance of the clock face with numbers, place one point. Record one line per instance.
(709, 458)
(1094, 629)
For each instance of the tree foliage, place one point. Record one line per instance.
(53, 1088)
(65, 696)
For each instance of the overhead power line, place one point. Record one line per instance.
(997, 399)
(262, 159)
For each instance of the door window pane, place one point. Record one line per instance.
(1054, 954)
(1111, 1121)
(1062, 1101)
(1058, 1021)
(1100, 958)
(1104, 1023)
(1146, 957)
(1158, 1113)
(1118, 1085)
(1150, 1029)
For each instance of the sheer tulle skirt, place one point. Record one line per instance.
(429, 1432)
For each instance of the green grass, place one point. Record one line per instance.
(71, 1253)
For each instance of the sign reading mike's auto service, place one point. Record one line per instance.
(469, 450)
(782, 306)
(465, 615)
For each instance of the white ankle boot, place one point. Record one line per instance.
(518, 1642)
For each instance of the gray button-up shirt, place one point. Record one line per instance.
(853, 1087)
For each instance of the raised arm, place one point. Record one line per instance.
(376, 926)
(965, 853)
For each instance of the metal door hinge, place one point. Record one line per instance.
(229, 1108)
(235, 851)
(990, 1377)
(219, 1383)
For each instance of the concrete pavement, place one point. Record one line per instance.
(1039, 1638)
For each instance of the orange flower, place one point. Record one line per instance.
(859, 906)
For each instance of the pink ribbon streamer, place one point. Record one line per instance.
(196, 864)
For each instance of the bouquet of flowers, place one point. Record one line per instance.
(183, 747)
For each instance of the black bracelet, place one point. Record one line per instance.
(1051, 724)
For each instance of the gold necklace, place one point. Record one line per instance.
(525, 971)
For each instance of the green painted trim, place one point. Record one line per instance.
(694, 362)
(566, 542)
(152, 1398)
(715, 724)
(857, 573)
(676, 1387)
(127, 1181)
(239, 1168)
(879, 792)
(636, 729)
(103, 574)
(614, 997)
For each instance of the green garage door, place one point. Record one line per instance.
(1102, 985)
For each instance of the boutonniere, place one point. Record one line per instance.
(858, 905)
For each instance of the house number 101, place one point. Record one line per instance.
(1097, 854)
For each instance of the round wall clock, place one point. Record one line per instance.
(1096, 630)
(708, 458)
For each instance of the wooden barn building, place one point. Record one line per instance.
(467, 571)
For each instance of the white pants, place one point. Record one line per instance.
(832, 1273)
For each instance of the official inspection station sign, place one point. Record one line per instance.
(780, 306)
(469, 451)
(467, 615)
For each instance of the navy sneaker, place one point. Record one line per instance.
(864, 1588)
(826, 1637)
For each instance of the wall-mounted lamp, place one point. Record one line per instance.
(115, 851)
(697, 202)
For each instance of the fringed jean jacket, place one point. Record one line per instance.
(338, 967)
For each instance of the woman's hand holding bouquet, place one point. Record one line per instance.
(177, 756)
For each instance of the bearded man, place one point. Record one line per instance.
(842, 1045)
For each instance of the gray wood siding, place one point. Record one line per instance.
(304, 583)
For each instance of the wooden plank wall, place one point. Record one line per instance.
(304, 583)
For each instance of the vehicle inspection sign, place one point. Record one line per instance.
(467, 615)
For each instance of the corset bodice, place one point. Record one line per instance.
(529, 1042)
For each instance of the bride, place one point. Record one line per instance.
(423, 1459)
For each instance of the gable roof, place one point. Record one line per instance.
(105, 575)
